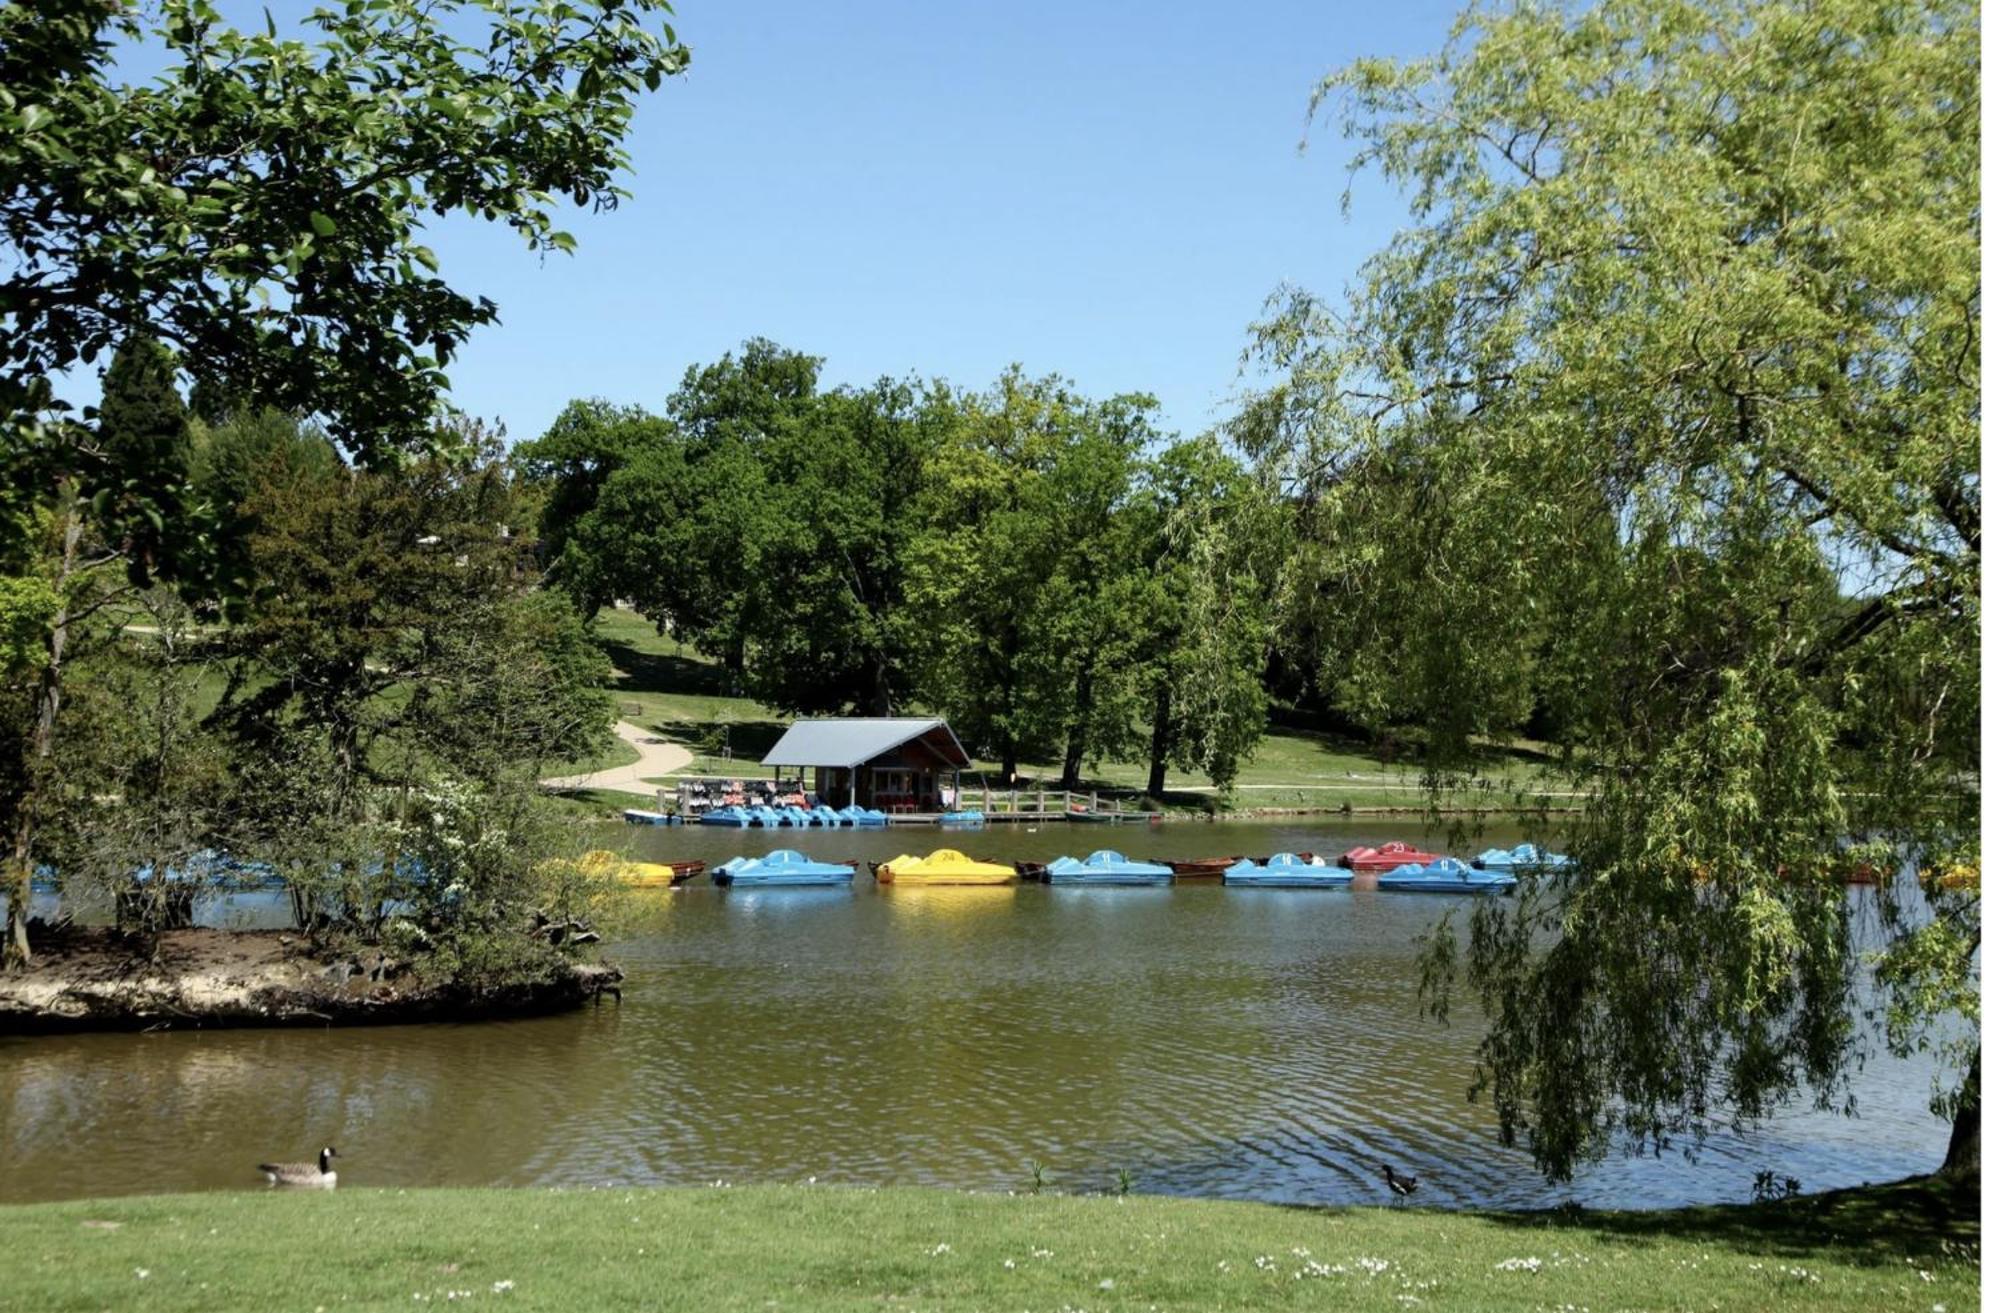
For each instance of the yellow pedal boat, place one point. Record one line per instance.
(638, 875)
(945, 866)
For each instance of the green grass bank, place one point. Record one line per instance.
(1908, 1246)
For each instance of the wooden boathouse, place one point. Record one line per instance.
(896, 764)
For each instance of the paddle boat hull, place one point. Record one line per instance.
(1105, 867)
(659, 875)
(1365, 861)
(1447, 875)
(945, 866)
(1286, 871)
(640, 816)
(783, 868)
(862, 816)
(1199, 870)
(963, 820)
(735, 816)
(1524, 857)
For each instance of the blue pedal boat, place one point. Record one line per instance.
(764, 816)
(1522, 858)
(782, 867)
(726, 816)
(823, 815)
(640, 816)
(963, 820)
(853, 815)
(797, 817)
(1446, 875)
(1105, 867)
(1287, 871)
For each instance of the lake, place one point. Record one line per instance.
(1257, 1044)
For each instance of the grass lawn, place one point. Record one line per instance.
(1912, 1246)
(668, 687)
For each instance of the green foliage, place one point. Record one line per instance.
(1005, 559)
(260, 203)
(1662, 419)
(138, 487)
(236, 457)
(476, 868)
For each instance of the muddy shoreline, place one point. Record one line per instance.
(86, 979)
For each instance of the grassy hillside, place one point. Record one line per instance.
(1909, 1247)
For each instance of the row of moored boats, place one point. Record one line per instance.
(1392, 866)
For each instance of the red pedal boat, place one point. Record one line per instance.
(1386, 858)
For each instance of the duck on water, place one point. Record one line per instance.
(310, 1176)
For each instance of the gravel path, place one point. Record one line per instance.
(656, 757)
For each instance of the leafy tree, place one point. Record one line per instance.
(259, 204)
(1666, 406)
(973, 574)
(397, 645)
(100, 509)
(138, 475)
(1201, 677)
(241, 453)
(826, 611)
(136, 734)
(589, 444)
(1090, 614)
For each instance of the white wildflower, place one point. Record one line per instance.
(1374, 1267)
(142, 1272)
(502, 1287)
(1528, 1264)
(940, 1249)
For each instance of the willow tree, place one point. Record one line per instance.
(1660, 419)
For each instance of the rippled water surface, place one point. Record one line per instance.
(1248, 1043)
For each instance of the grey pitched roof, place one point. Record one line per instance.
(850, 742)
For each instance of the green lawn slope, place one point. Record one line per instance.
(1912, 1246)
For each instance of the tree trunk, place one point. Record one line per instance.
(1156, 776)
(1961, 1156)
(1072, 772)
(48, 701)
(1010, 762)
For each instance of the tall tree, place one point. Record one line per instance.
(104, 508)
(1672, 386)
(1090, 613)
(583, 450)
(259, 206)
(985, 553)
(827, 617)
(1210, 529)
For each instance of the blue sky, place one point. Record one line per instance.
(1103, 190)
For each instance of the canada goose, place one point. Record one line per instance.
(303, 1174)
(1401, 1185)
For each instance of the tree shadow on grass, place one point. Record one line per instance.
(657, 672)
(1924, 1218)
(747, 740)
